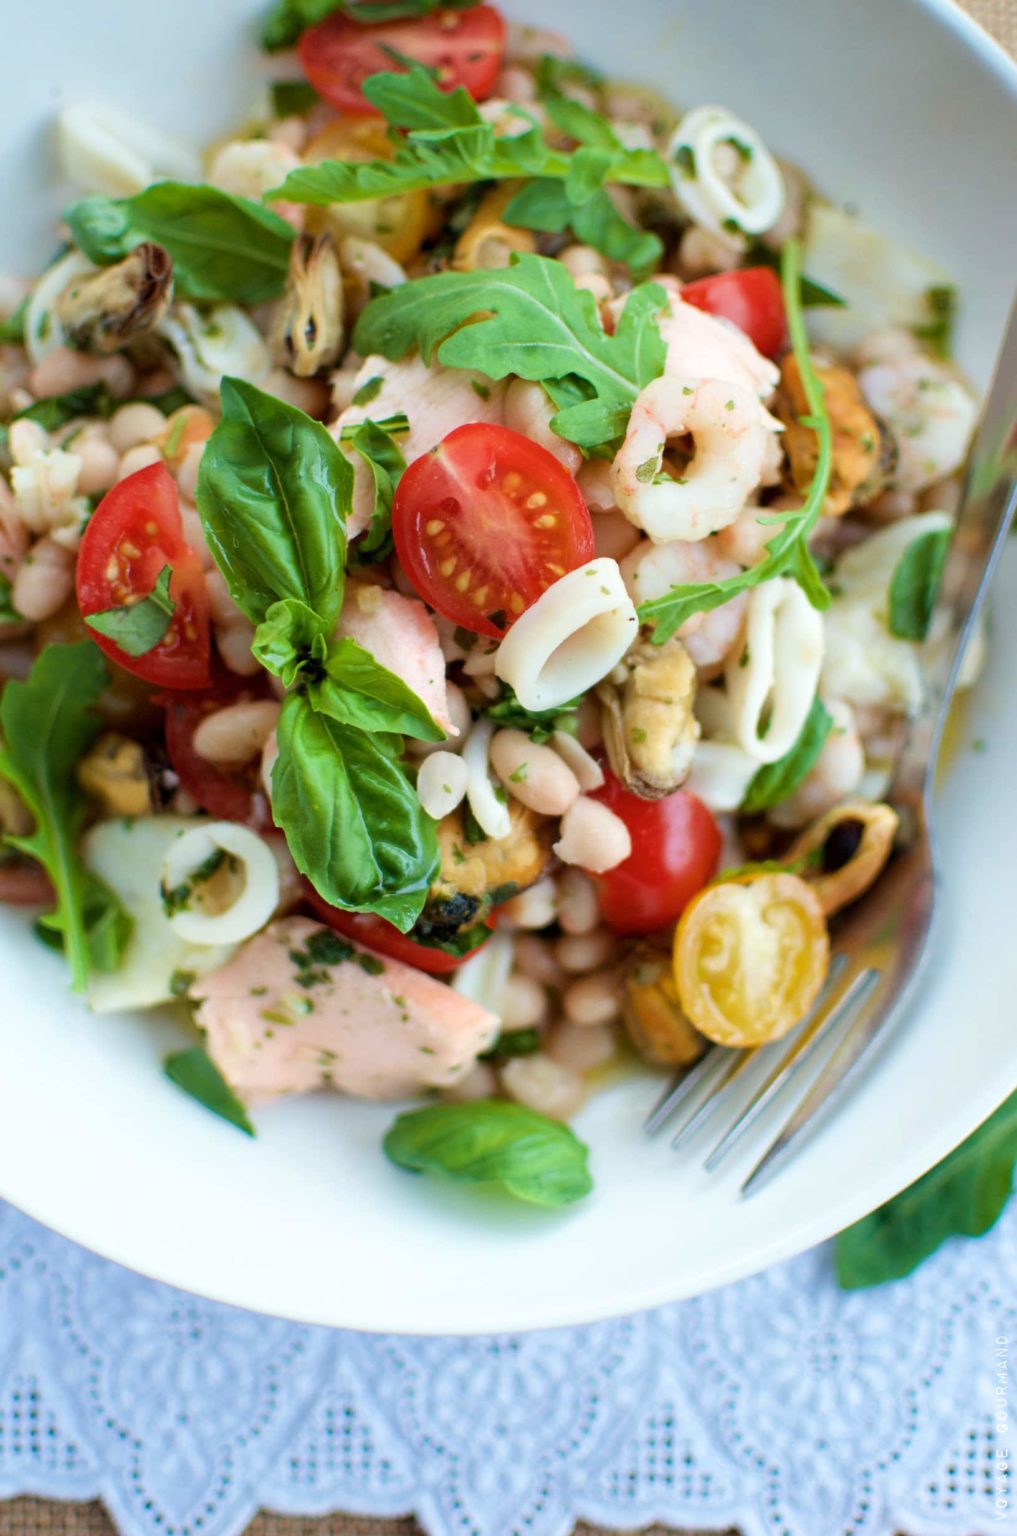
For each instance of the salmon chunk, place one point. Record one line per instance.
(299, 1007)
(401, 636)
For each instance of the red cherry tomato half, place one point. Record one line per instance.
(134, 532)
(228, 794)
(462, 47)
(675, 848)
(485, 523)
(751, 299)
(384, 938)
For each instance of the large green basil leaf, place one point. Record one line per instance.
(494, 1142)
(222, 247)
(274, 493)
(351, 816)
(963, 1195)
(356, 690)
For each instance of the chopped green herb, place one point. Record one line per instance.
(519, 776)
(180, 982)
(915, 584)
(371, 964)
(513, 1042)
(369, 390)
(292, 98)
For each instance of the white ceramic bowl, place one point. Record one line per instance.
(901, 108)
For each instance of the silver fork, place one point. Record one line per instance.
(881, 944)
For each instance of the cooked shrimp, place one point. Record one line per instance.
(651, 570)
(745, 539)
(837, 772)
(927, 407)
(251, 167)
(730, 437)
(529, 410)
(707, 347)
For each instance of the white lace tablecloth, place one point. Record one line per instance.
(777, 1405)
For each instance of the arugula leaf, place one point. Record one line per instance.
(8, 613)
(544, 204)
(356, 690)
(448, 142)
(774, 782)
(384, 459)
(108, 927)
(915, 584)
(274, 493)
(288, 18)
(222, 247)
(493, 1142)
(57, 410)
(47, 724)
(554, 75)
(539, 725)
(137, 628)
(351, 817)
(787, 553)
(963, 1195)
(290, 640)
(292, 98)
(535, 323)
(12, 327)
(197, 1074)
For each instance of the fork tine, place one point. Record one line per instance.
(737, 1063)
(827, 1011)
(862, 1026)
(683, 1087)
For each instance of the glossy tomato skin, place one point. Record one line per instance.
(751, 299)
(489, 505)
(675, 847)
(464, 47)
(134, 532)
(229, 795)
(375, 933)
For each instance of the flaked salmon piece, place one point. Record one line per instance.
(402, 636)
(299, 1007)
(436, 400)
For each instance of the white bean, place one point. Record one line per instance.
(593, 999)
(221, 607)
(532, 908)
(194, 535)
(458, 711)
(134, 424)
(543, 1084)
(234, 644)
(524, 1003)
(534, 957)
(534, 775)
(269, 753)
(578, 953)
(44, 581)
(578, 907)
(139, 457)
(187, 474)
(237, 732)
(581, 1047)
(593, 837)
(100, 464)
(63, 370)
(441, 783)
(480, 1082)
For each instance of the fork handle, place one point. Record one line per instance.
(987, 507)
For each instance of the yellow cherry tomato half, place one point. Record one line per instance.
(750, 957)
(398, 224)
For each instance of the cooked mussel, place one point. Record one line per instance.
(844, 852)
(863, 450)
(653, 1015)
(476, 876)
(650, 730)
(308, 334)
(105, 310)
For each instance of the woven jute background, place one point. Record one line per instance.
(42, 1517)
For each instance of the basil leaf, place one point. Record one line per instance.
(47, 724)
(274, 493)
(915, 584)
(774, 782)
(963, 1195)
(356, 690)
(787, 553)
(493, 1142)
(56, 411)
(351, 817)
(288, 18)
(12, 327)
(138, 628)
(292, 98)
(384, 459)
(222, 247)
(536, 324)
(197, 1074)
(290, 639)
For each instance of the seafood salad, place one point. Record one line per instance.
(467, 544)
